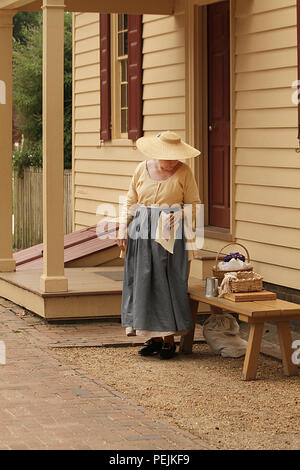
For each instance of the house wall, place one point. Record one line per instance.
(102, 171)
(266, 170)
(267, 173)
(266, 165)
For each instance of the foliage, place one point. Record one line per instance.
(27, 93)
(23, 20)
(30, 154)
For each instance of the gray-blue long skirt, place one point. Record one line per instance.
(155, 282)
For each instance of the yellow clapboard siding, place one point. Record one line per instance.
(281, 236)
(280, 98)
(269, 40)
(105, 181)
(167, 24)
(162, 90)
(180, 132)
(162, 58)
(87, 139)
(87, 58)
(84, 218)
(267, 138)
(99, 194)
(86, 45)
(170, 122)
(278, 274)
(164, 74)
(266, 118)
(268, 157)
(80, 227)
(113, 153)
(262, 80)
(164, 106)
(87, 125)
(87, 112)
(275, 216)
(86, 31)
(105, 167)
(149, 18)
(83, 99)
(87, 85)
(282, 197)
(87, 71)
(266, 60)
(275, 19)
(282, 177)
(86, 19)
(97, 208)
(259, 6)
(166, 41)
(279, 255)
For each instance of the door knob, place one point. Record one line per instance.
(211, 127)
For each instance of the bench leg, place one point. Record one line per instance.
(285, 341)
(253, 350)
(186, 343)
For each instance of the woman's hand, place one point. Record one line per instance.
(175, 217)
(170, 220)
(122, 235)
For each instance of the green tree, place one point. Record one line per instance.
(23, 20)
(27, 93)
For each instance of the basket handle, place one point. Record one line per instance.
(229, 244)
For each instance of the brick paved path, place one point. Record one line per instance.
(47, 404)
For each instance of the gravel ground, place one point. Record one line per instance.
(204, 394)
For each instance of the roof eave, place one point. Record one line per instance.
(159, 7)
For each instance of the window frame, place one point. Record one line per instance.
(116, 82)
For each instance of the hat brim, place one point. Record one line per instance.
(155, 148)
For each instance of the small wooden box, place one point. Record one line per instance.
(250, 296)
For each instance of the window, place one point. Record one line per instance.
(121, 76)
(122, 71)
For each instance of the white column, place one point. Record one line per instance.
(53, 278)
(7, 263)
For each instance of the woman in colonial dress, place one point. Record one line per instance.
(152, 233)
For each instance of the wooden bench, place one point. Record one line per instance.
(255, 313)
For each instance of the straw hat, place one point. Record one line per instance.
(166, 146)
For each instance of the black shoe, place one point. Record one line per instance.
(167, 351)
(151, 347)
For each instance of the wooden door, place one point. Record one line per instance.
(219, 113)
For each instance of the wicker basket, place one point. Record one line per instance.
(220, 274)
(247, 282)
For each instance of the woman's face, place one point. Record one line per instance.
(167, 165)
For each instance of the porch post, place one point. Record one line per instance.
(53, 278)
(7, 262)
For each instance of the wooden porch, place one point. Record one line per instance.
(94, 292)
(51, 288)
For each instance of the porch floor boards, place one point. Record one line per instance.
(81, 281)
